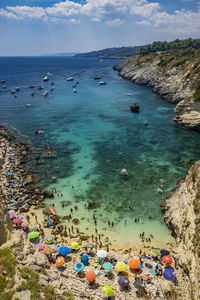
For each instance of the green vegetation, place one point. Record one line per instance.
(165, 61)
(49, 292)
(197, 93)
(31, 282)
(69, 295)
(8, 295)
(7, 270)
(181, 47)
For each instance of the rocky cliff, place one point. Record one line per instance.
(175, 79)
(5, 225)
(182, 214)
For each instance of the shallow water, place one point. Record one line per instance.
(95, 135)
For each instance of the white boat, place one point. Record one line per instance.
(12, 92)
(124, 172)
(52, 88)
(28, 105)
(45, 78)
(97, 77)
(17, 89)
(45, 93)
(4, 86)
(40, 87)
(74, 85)
(31, 86)
(49, 74)
(102, 82)
(70, 79)
(3, 81)
(74, 90)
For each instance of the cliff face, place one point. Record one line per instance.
(174, 79)
(5, 225)
(182, 214)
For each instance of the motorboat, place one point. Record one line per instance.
(45, 78)
(12, 92)
(124, 172)
(52, 88)
(32, 93)
(97, 77)
(74, 90)
(102, 82)
(70, 79)
(40, 87)
(49, 74)
(145, 123)
(4, 87)
(31, 86)
(45, 93)
(74, 85)
(17, 89)
(28, 105)
(3, 81)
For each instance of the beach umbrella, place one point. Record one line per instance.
(164, 252)
(12, 211)
(155, 252)
(75, 245)
(102, 253)
(64, 251)
(78, 267)
(153, 273)
(57, 248)
(33, 227)
(169, 275)
(49, 239)
(17, 221)
(85, 259)
(108, 291)
(107, 266)
(21, 217)
(120, 266)
(33, 235)
(167, 260)
(89, 246)
(24, 224)
(12, 216)
(134, 263)
(41, 248)
(124, 281)
(48, 251)
(90, 276)
(52, 211)
(60, 261)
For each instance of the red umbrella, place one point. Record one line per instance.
(167, 260)
(42, 247)
(17, 221)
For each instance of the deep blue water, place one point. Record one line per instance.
(94, 135)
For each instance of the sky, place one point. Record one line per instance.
(37, 27)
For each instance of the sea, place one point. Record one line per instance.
(89, 135)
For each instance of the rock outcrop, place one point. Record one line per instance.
(174, 79)
(182, 214)
(5, 225)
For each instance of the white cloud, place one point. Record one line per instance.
(115, 22)
(96, 19)
(8, 14)
(143, 22)
(27, 11)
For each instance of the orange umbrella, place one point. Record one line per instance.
(60, 261)
(48, 251)
(52, 211)
(90, 276)
(134, 263)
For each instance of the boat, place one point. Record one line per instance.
(52, 88)
(12, 92)
(4, 86)
(97, 77)
(145, 123)
(45, 93)
(45, 78)
(124, 172)
(28, 105)
(51, 83)
(74, 85)
(32, 93)
(70, 79)
(102, 82)
(17, 89)
(49, 74)
(3, 81)
(31, 86)
(74, 90)
(40, 87)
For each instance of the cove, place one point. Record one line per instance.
(94, 135)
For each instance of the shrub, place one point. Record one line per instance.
(197, 93)
(69, 295)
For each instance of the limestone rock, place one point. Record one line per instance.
(42, 260)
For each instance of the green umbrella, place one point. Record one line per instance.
(108, 290)
(155, 252)
(107, 266)
(75, 245)
(33, 234)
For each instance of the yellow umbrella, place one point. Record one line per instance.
(75, 245)
(108, 290)
(120, 266)
(60, 261)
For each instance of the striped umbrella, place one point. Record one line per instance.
(167, 260)
(47, 251)
(17, 221)
(79, 267)
(49, 239)
(24, 224)
(60, 261)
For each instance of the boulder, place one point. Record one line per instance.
(42, 260)
(52, 275)
(135, 107)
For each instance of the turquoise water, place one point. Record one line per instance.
(95, 135)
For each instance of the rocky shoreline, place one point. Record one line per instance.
(175, 83)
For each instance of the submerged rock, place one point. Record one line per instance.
(135, 107)
(76, 221)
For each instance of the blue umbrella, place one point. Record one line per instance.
(169, 275)
(107, 266)
(124, 281)
(79, 267)
(164, 252)
(64, 251)
(85, 259)
(89, 246)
